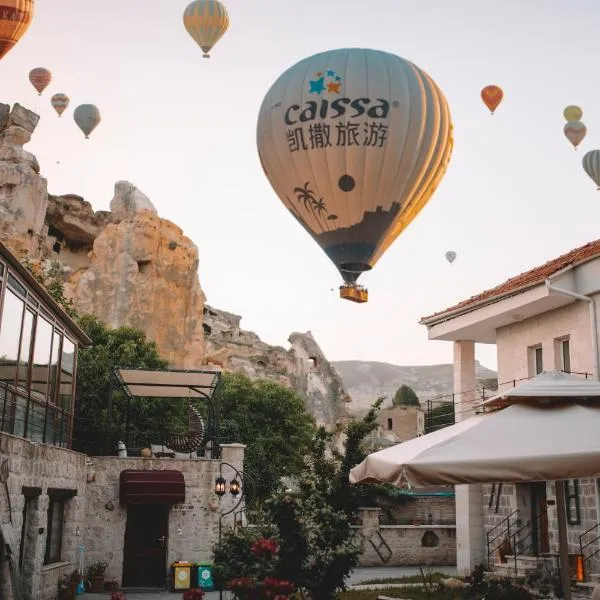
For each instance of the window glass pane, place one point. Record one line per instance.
(52, 422)
(26, 339)
(566, 355)
(54, 531)
(539, 363)
(16, 285)
(41, 358)
(10, 332)
(66, 374)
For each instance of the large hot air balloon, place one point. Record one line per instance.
(450, 256)
(492, 96)
(206, 21)
(87, 117)
(575, 132)
(60, 102)
(591, 165)
(40, 79)
(15, 18)
(354, 143)
(573, 113)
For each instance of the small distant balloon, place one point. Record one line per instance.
(450, 256)
(15, 18)
(575, 132)
(573, 113)
(40, 79)
(87, 117)
(60, 102)
(591, 165)
(206, 21)
(492, 96)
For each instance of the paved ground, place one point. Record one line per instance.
(356, 577)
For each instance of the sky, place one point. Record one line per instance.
(183, 130)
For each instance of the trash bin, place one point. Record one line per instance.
(205, 576)
(182, 575)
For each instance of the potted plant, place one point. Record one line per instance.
(96, 576)
(193, 594)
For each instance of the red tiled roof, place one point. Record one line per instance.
(532, 277)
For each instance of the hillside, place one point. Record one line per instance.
(365, 381)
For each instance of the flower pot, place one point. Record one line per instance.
(97, 584)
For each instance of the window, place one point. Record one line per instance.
(54, 529)
(536, 360)
(389, 424)
(10, 334)
(565, 355)
(572, 502)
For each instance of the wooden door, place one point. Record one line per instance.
(144, 561)
(539, 519)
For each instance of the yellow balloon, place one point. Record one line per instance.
(206, 21)
(573, 113)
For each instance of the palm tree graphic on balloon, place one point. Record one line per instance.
(317, 206)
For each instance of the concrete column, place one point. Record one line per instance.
(470, 535)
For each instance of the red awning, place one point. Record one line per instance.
(152, 487)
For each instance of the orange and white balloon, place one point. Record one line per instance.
(40, 79)
(60, 102)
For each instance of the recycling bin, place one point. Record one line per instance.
(205, 576)
(182, 575)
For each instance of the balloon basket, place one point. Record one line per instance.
(206, 56)
(355, 293)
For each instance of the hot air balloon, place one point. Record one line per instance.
(354, 142)
(591, 165)
(492, 96)
(40, 78)
(15, 18)
(60, 102)
(573, 113)
(206, 21)
(87, 117)
(450, 256)
(575, 132)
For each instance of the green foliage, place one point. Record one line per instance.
(150, 418)
(440, 416)
(52, 281)
(405, 396)
(273, 423)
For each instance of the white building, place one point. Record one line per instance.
(542, 319)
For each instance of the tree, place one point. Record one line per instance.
(273, 423)
(405, 396)
(151, 419)
(440, 416)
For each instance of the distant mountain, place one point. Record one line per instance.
(366, 381)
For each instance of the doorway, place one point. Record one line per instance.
(145, 559)
(540, 542)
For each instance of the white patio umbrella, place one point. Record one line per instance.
(548, 433)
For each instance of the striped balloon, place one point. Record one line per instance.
(206, 21)
(591, 165)
(15, 18)
(40, 78)
(60, 102)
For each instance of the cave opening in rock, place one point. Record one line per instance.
(144, 265)
(207, 328)
(312, 361)
(56, 247)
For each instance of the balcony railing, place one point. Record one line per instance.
(33, 417)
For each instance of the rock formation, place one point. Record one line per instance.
(130, 267)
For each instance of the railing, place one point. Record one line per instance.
(26, 416)
(500, 531)
(527, 538)
(594, 532)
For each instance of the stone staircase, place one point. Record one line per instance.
(519, 567)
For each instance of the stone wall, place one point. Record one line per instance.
(32, 466)
(439, 510)
(409, 544)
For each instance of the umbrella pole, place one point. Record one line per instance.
(563, 547)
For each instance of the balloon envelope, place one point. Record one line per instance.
(573, 113)
(450, 256)
(15, 18)
(575, 132)
(591, 165)
(40, 78)
(206, 21)
(60, 102)
(492, 96)
(354, 142)
(87, 117)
